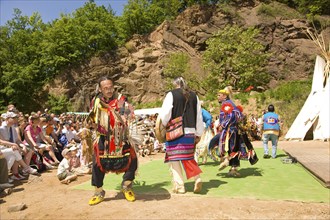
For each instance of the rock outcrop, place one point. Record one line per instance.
(137, 67)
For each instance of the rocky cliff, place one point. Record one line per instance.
(137, 67)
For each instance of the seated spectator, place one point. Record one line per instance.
(75, 159)
(8, 137)
(34, 137)
(14, 159)
(157, 146)
(58, 126)
(25, 148)
(43, 125)
(77, 167)
(70, 132)
(20, 129)
(4, 180)
(49, 130)
(64, 173)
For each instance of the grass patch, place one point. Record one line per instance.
(276, 9)
(269, 179)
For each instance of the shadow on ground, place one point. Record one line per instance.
(147, 192)
(207, 186)
(244, 172)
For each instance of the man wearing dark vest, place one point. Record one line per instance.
(181, 101)
(270, 131)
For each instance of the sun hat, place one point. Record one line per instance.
(65, 152)
(73, 148)
(9, 115)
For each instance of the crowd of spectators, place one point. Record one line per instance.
(39, 141)
(149, 142)
(33, 143)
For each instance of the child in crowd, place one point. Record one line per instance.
(77, 167)
(75, 159)
(64, 173)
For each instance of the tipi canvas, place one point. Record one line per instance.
(315, 112)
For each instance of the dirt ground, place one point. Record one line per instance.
(46, 198)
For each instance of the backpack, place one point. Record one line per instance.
(37, 162)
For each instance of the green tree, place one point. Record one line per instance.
(89, 31)
(161, 10)
(234, 57)
(177, 64)
(142, 16)
(21, 75)
(58, 104)
(134, 19)
(314, 7)
(33, 52)
(311, 7)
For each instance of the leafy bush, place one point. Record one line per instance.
(58, 104)
(130, 47)
(175, 65)
(312, 7)
(288, 99)
(230, 62)
(320, 22)
(227, 9)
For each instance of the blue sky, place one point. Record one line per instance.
(50, 9)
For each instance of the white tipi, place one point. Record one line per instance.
(315, 112)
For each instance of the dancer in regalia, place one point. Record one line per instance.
(113, 152)
(230, 115)
(182, 102)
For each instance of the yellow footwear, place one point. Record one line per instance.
(129, 195)
(97, 198)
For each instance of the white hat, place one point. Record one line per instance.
(73, 148)
(65, 152)
(9, 115)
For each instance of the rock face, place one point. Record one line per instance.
(137, 67)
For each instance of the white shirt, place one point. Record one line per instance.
(4, 132)
(70, 135)
(63, 166)
(166, 113)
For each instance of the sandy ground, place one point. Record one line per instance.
(46, 198)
